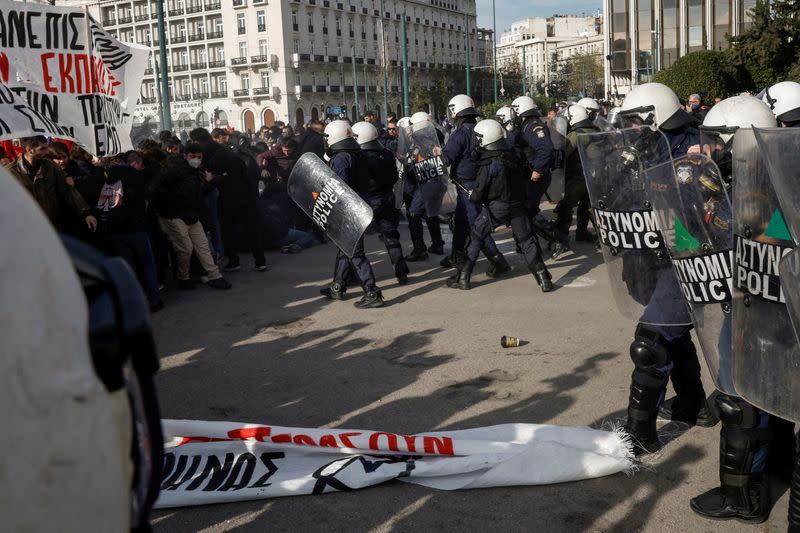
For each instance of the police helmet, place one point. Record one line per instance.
(336, 132)
(461, 105)
(590, 104)
(490, 135)
(737, 112)
(366, 134)
(504, 115)
(575, 114)
(653, 104)
(524, 106)
(784, 100)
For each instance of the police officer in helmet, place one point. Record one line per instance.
(345, 161)
(501, 188)
(379, 194)
(533, 143)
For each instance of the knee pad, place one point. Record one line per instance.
(737, 412)
(744, 439)
(648, 350)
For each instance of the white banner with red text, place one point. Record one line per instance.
(63, 76)
(214, 462)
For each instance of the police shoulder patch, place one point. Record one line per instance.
(540, 132)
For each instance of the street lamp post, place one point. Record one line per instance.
(494, 50)
(166, 113)
(385, 66)
(406, 100)
(467, 50)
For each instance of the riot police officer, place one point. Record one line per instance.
(501, 187)
(505, 116)
(748, 433)
(591, 106)
(458, 153)
(344, 153)
(783, 98)
(663, 352)
(382, 175)
(534, 145)
(575, 193)
(420, 203)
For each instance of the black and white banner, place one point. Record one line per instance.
(63, 76)
(213, 462)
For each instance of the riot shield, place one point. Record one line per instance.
(617, 166)
(329, 202)
(602, 124)
(695, 218)
(558, 135)
(766, 354)
(780, 150)
(419, 149)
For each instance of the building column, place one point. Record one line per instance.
(684, 29)
(632, 19)
(607, 36)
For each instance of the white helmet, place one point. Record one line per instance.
(737, 112)
(504, 115)
(337, 131)
(461, 105)
(784, 100)
(653, 104)
(404, 122)
(524, 106)
(364, 132)
(575, 114)
(488, 132)
(419, 117)
(590, 104)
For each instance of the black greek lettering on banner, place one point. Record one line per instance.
(428, 169)
(706, 279)
(230, 473)
(629, 230)
(757, 268)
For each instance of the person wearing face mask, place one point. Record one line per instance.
(178, 193)
(695, 107)
(48, 185)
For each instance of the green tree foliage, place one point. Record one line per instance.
(769, 51)
(706, 72)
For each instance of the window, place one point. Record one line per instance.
(204, 85)
(223, 84)
(722, 23)
(218, 25)
(264, 79)
(296, 46)
(243, 49)
(245, 80)
(262, 47)
(240, 22)
(261, 19)
(182, 30)
(186, 88)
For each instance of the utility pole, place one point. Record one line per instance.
(406, 101)
(355, 82)
(494, 50)
(385, 66)
(166, 114)
(466, 50)
(524, 72)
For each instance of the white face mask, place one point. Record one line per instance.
(195, 163)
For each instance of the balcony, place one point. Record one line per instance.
(259, 59)
(200, 95)
(370, 61)
(259, 1)
(319, 58)
(219, 94)
(238, 93)
(142, 17)
(242, 30)
(359, 61)
(239, 3)
(262, 27)
(109, 22)
(211, 6)
(197, 37)
(307, 88)
(238, 61)
(214, 35)
(180, 68)
(199, 66)
(347, 59)
(333, 59)
(177, 39)
(348, 88)
(261, 91)
(124, 20)
(305, 57)
(154, 15)
(319, 89)
(335, 88)
(194, 9)
(151, 100)
(148, 72)
(216, 64)
(175, 12)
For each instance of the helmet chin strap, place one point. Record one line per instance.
(770, 100)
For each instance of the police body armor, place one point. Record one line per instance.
(333, 206)
(417, 148)
(695, 218)
(766, 354)
(618, 165)
(558, 127)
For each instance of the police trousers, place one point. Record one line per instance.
(465, 217)
(513, 213)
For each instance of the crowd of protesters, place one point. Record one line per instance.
(180, 213)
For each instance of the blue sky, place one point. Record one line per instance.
(510, 10)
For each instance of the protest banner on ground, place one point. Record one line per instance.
(214, 462)
(63, 76)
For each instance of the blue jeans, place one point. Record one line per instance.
(300, 238)
(135, 249)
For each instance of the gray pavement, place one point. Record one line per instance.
(273, 351)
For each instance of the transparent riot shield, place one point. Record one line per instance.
(329, 202)
(780, 150)
(558, 136)
(603, 124)
(418, 148)
(766, 354)
(617, 166)
(695, 218)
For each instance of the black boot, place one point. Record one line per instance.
(743, 494)
(370, 300)
(543, 277)
(334, 291)
(448, 261)
(677, 411)
(401, 271)
(646, 390)
(560, 248)
(499, 265)
(417, 255)
(462, 278)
